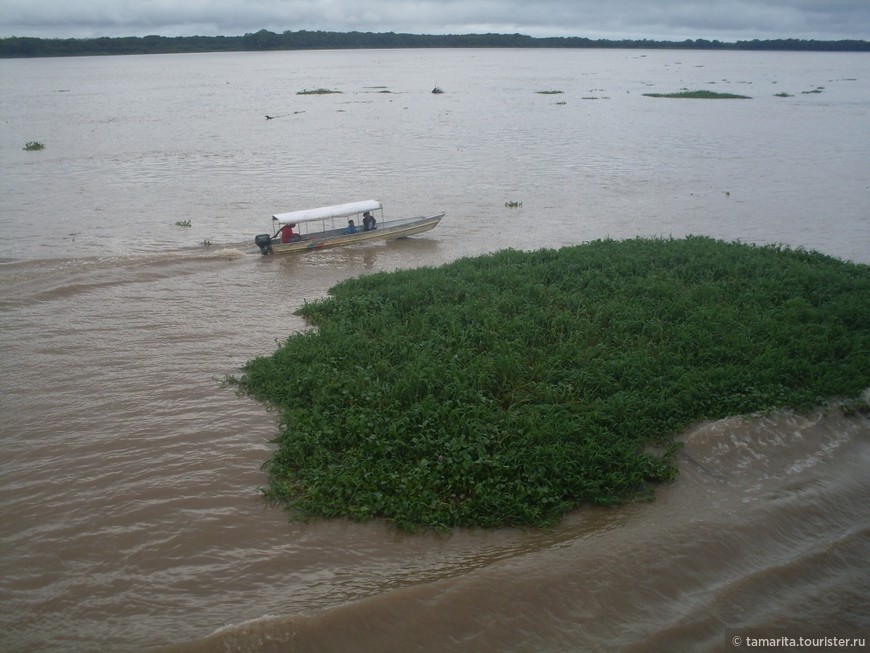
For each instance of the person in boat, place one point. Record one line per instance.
(350, 228)
(286, 233)
(368, 221)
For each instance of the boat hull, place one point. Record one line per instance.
(389, 230)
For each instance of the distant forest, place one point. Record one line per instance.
(304, 40)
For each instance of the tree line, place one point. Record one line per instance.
(262, 40)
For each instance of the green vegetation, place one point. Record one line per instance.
(182, 223)
(316, 91)
(508, 389)
(513, 204)
(16, 46)
(32, 146)
(700, 95)
(783, 94)
(549, 92)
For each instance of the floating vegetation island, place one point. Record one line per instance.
(33, 146)
(700, 95)
(316, 91)
(511, 388)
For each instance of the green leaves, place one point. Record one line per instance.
(508, 389)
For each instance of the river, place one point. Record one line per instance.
(130, 514)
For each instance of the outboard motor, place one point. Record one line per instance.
(264, 242)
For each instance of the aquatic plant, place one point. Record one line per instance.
(554, 92)
(511, 388)
(699, 95)
(206, 243)
(316, 91)
(783, 94)
(511, 204)
(437, 90)
(32, 146)
(182, 223)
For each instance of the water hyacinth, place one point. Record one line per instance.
(510, 388)
(699, 95)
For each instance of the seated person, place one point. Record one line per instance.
(368, 221)
(350, 228)
(286, 233)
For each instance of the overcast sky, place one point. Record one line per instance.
(725, 20)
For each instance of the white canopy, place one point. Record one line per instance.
(336, 211)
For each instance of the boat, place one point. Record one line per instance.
(337, 226)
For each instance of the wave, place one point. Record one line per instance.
(765, 532)
(40, 280)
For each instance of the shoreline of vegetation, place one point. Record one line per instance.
(264, 40)
(512, 388)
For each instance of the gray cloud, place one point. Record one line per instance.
(726, 20)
